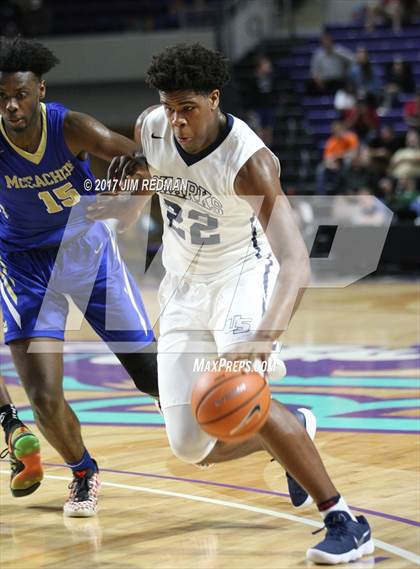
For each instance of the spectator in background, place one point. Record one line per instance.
(342, 144)
(405, 163)
(398, 79)
(362, 118)
(345, 98)
(405, 199)
(384, 12)
(339, 150)
(381, 147)
(412, 111)
(357, 173)
(385, 189)
(261, 100)
(329, 67)
(364, 77)
(390, 12)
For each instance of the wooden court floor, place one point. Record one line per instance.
(351, 357)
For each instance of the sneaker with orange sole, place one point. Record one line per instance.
(25, 461)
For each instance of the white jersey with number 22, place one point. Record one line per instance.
(208, 228)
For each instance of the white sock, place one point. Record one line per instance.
(340, 506)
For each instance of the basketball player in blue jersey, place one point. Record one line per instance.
(49, 249)
(222, 269)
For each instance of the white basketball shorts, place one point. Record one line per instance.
(202, 319)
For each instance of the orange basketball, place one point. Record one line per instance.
(231, 405)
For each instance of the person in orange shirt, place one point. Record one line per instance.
(341, 142)
(339, 149)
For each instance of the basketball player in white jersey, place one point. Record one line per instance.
(228, 227)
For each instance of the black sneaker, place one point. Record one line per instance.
(25, 461)
(298, 495)
(83, 499)
(346, 540)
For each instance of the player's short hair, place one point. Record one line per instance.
(188, 67)
(20, 54)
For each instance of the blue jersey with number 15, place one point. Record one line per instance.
(42, 194)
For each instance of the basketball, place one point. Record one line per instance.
(231, 405)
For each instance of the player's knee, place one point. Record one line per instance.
(187, 448)
(187, 441)
(142, 368)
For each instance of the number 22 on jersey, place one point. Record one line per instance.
(204, 224)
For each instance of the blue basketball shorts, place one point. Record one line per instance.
(35, 286)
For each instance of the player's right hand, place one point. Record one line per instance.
(128, 166)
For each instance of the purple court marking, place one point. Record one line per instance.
(378, 431)
(328, 365)
(383, 412)
(243, 488)
(320, 430)
(281, 389)
(162, 426)
(325, 391)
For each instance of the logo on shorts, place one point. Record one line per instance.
(238, 325)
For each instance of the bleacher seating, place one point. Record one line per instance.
(303, 122)
(383, 45)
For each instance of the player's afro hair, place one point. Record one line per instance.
(19, 54)
(188, 67)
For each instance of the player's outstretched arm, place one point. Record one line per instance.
(125, 208)
(84, 134)
(258, 183)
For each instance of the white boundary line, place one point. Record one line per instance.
(398, 551)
